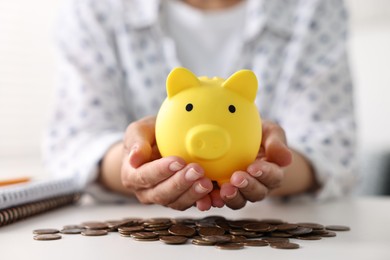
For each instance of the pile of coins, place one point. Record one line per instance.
(209, 231)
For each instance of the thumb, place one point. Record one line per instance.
(139, 154)
(278, 152)
(275, 144)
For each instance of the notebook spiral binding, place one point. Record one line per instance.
(19, 212)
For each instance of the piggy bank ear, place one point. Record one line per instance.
(244, 83)
(180, 79)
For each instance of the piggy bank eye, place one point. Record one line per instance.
(189, 107)
(232, 109)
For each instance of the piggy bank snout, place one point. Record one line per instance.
(207, 142)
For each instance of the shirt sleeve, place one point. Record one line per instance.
(315, 99)
(89, 113)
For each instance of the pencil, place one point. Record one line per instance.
(14, 181)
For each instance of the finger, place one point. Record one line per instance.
(216, 199)
(275, 143)
(139, 141)
(231, 196)
(197, 194)
(269, 174)
(140, 153)
(204, 203)
(150, 174)
(172, 188)
(250, 188)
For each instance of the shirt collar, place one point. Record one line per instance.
(141, 13)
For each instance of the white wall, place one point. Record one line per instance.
(370, 60)
(27, 76)
(26, 79)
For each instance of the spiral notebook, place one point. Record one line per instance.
(24, 200)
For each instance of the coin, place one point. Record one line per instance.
(144, 235)
(95, 225)
(272, 221)
(183, 221)
(257, 227)
(275, 239)
(285, 245)
(222, 223)
(157, 221)
(300, 231)
(147, 239)
(329, 234)
(319, 232)
(72, 231)
(218, 238)
(47, 237)
(46, 231)
(286, 227)
(230, 246)
(337, 228)
(129, 230)
(94, 232)
(210, 231)
(199, 241)
(240, 223)
(182, 230)
(256, 242)
(308, 237)
(207, 231)
(281, 234)
(235, 238)
(174, 240)
(314, 226)
(114, 225)
(72, 226)
(162, 232)
(241, 232)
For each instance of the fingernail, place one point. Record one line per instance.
(257, 174)
(231, 196)
(200, 189)
(175, 166)
(243, 184)
(132, 151)
(192, 175)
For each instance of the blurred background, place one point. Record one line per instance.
(27, 70)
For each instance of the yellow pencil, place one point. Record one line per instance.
(14, 181)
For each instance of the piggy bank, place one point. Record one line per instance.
(210, 121)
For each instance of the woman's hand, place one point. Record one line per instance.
(264, 174)
(166, 181)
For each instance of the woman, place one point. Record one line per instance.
(115, 56)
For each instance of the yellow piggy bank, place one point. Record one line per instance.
(210, 121)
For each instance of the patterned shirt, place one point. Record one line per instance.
(114, 59)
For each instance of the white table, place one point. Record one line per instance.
(369, 238)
